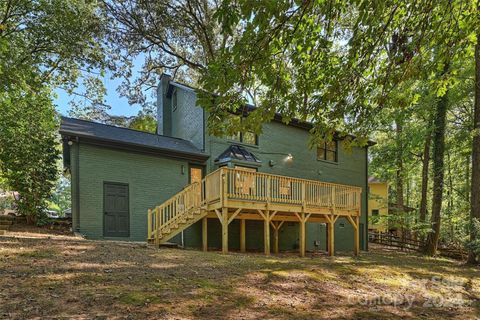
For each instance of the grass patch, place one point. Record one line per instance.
(139, 298)
(38, 254)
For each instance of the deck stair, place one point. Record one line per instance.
(175, 215)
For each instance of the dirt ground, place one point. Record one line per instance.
(51, 275)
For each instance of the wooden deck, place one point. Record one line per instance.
(227, 194)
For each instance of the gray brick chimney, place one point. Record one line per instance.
(164, 112)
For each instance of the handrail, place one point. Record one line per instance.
(173, 210)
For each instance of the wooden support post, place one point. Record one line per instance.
(275, 237)
(266, 232)
(243, 247)
(302, 234)
(204, 234)
(224, 222)
(356, 249)
(157, 226)
(331, 237)
(149, 224)
(355, 222)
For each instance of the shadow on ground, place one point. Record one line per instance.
(66, 277)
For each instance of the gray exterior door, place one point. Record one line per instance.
(116, 222)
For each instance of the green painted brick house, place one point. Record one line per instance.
(118, 174)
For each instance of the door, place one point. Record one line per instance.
(116, 221)
(196, 174)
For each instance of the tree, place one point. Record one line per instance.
(475, 191)
(179, 37)
(439, 127)
(28, 153)
(62, 195)
(43, 44)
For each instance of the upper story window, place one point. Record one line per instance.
(328, 151)
(245, 137)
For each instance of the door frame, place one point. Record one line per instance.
(195, 166)
(128, 207)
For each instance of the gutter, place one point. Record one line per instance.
(138, 148)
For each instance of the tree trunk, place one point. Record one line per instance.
(439, 124)
(425, 165)
(467, 178)
(399, 182)
(475, 183)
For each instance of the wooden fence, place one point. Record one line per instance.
(411, 244)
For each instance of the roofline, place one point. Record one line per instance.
(123, 128)
(166, 152)
(294, 122)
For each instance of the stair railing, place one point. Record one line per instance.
(174, 211)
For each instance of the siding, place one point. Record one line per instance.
(276, 138)
(274, 143)
(187, 118)
(151, 180)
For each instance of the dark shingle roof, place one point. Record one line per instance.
(118, 136)
(236, 152)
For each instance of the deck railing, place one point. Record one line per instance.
(238, 184)
(227, 184)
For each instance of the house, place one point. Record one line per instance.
(377, 205)
(245, 192)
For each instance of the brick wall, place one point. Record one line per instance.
(151, 180)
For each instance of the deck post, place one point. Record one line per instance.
(302, 234)
(224, 230)
(275, 237)
(266, 232)
(204, 234)
(357, 236)
(157, 226)
(149, 224)
(243, 247)
(331, 237)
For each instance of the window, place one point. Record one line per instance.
(328, 151)
(375, 213)
(247, 137)
(235, 137)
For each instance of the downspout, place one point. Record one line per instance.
(77, 184)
